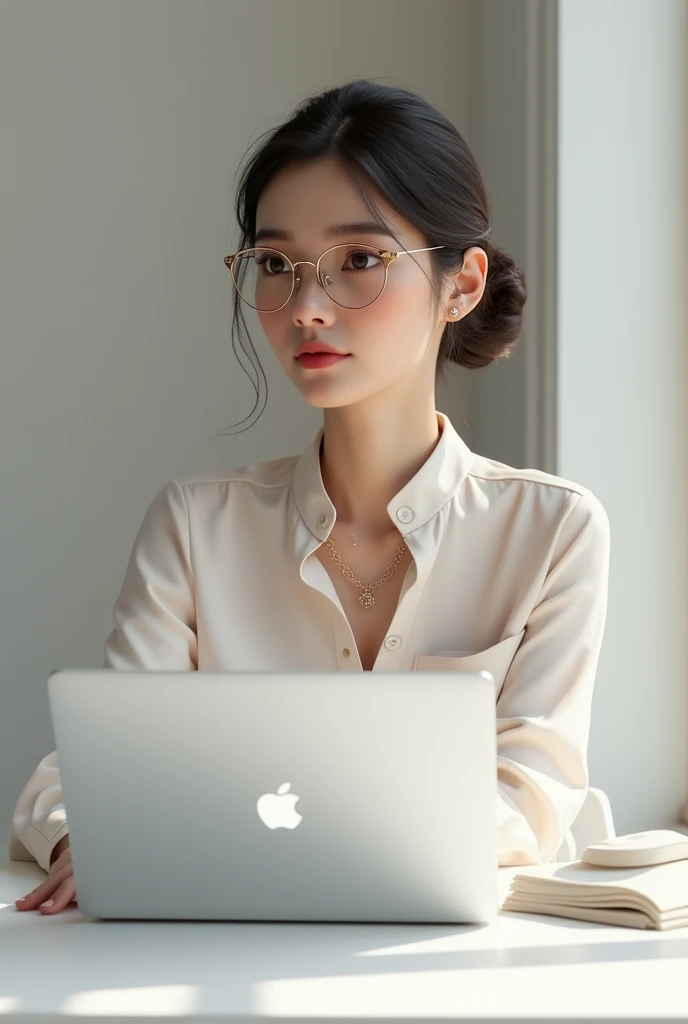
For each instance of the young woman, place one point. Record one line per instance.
(387, 544)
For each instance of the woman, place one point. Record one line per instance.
(387, 544)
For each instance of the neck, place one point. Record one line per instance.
(367, 457)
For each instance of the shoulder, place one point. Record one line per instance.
(486, 469)
(270, 473)
(207, 497)
(570, 498)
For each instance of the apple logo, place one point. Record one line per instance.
(277, 810)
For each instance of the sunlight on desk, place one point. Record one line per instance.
(477, 993)
(170, 1000)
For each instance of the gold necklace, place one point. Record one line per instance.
(366, 599)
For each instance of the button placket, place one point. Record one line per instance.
(394, 651)
(346, 656)
(344, 643)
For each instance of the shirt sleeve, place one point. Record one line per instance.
(544, 708)
(155, 628)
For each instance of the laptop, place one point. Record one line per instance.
(260, 796)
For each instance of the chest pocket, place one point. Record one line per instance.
(495, 660)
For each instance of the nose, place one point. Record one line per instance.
(310, 300)
(299, 276)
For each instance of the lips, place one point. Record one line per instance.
(318, 360)
(316, 348)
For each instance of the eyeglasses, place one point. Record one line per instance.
(354, 275)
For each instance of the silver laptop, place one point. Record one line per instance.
(255, 796)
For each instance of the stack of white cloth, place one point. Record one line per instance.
(637, 881)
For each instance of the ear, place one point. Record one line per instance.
(470, 281)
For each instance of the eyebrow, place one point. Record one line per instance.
(366, 227)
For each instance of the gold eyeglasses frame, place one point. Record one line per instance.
(386, 255)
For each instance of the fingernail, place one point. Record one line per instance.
(21, 899)
(48, 903)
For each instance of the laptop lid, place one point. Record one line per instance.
(277, 796)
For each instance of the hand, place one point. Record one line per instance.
(58, 886)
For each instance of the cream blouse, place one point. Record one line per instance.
(509, 574)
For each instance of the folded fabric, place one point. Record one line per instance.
(643, 897)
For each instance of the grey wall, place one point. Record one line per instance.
(122, 126)
(515, 98)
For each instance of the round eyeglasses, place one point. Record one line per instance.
(353, 274)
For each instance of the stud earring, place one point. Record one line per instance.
(454, 311)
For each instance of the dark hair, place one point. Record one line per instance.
(422, 166)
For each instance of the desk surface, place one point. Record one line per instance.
(520, 967)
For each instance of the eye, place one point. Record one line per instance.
(272, 264)
(361, 255)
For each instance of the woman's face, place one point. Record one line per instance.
(388, 342)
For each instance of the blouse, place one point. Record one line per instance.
(509, 574)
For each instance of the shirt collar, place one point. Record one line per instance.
(416, 503)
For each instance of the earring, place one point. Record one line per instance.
(454, 311)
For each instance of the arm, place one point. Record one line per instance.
(155, 628)
(544, 709)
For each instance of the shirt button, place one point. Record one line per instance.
(346, 652)
(392, 642)
(322, 521)
(405, 514)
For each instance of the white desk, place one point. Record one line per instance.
(520, 968)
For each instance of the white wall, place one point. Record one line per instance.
(623, 374)
(123, 123)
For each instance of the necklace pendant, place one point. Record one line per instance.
(366, 599)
